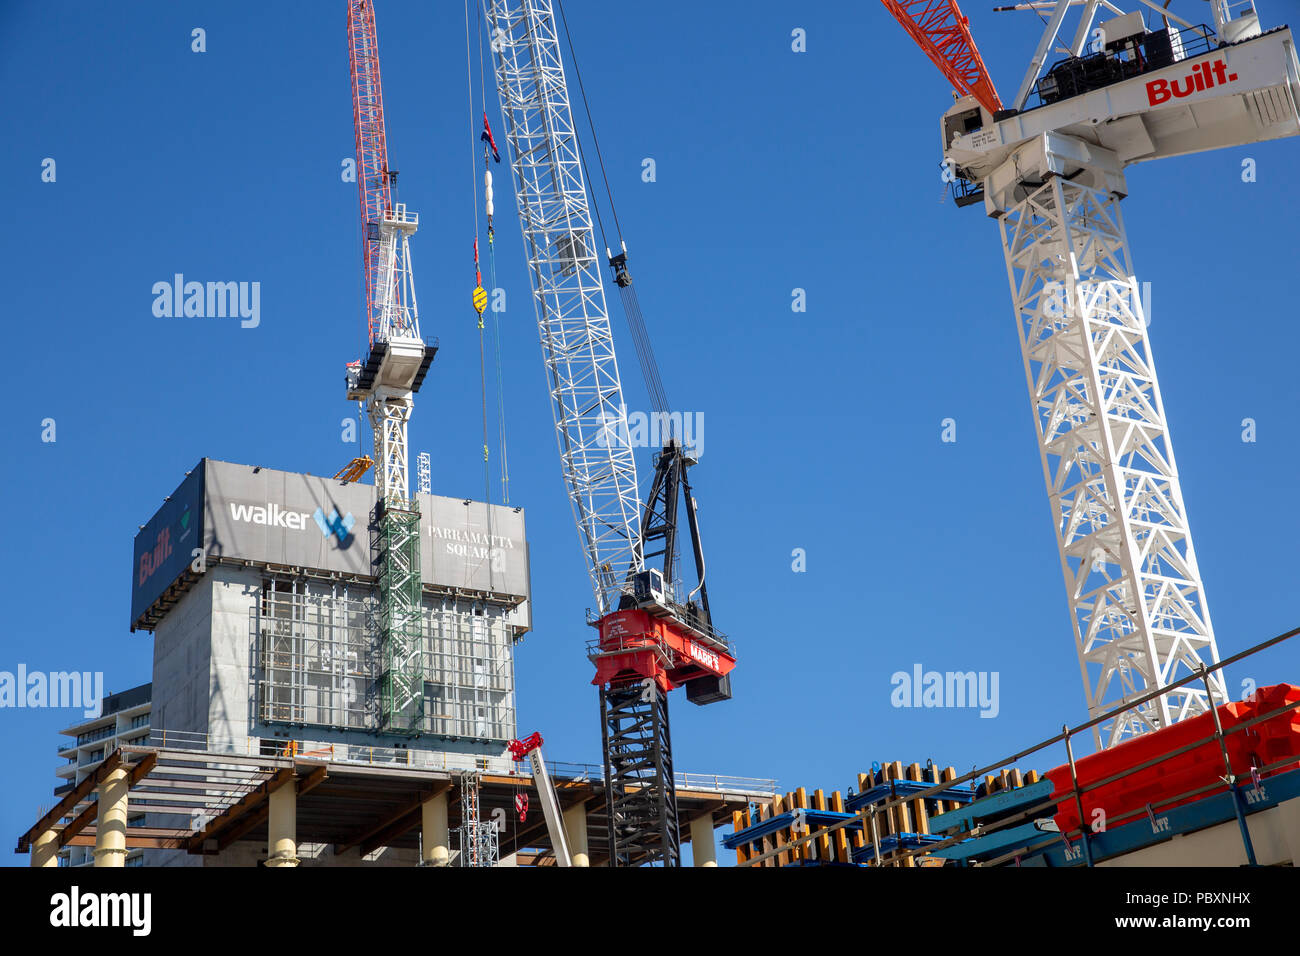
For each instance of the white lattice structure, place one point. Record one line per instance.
(398, 328)
(1134, 591)
(569, 297)
(424, 473)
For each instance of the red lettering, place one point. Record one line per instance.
(151, 561)
(1202, 77)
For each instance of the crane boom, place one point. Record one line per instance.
(943, 35)
(568, 294)
(530, 749)
(649, 642)
(371, 140)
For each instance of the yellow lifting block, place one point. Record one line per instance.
(355, 469)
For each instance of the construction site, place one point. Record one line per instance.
(334, 658)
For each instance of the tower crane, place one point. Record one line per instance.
(388, 377)
(650, 638)
(1050, 168)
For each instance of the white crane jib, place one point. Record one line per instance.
(568, 293)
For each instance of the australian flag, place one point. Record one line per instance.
(486, 136)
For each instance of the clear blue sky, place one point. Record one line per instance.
(775, 170)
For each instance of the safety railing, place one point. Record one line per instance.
(869, 818)
(707, 631)
(335, 752)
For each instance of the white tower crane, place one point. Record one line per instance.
(388, 378)
(1051, 171)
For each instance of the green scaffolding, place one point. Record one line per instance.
(400, 619)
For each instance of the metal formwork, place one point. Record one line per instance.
(319, 661)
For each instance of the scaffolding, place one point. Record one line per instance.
(398, 559)
(479, 844)
(319, 661)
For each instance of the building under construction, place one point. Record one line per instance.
(333, 676)
(273, 737)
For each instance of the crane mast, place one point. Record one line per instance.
(648, 642)
(387, 378)
(1051, 172)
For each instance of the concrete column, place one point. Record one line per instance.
(575, 828)
(282, 826)
(110, 822)
(433, 817)
(703, 849)
(45, 851)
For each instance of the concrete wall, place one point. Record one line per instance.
(181, 661)
(202, 657)
(235, 593)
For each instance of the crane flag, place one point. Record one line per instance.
(486, 136)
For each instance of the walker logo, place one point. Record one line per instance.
(271, 515)
(1204, 76)
(75, 909)
(336, 524)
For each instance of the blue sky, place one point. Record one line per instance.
(775, 170)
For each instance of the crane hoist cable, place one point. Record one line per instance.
(489, 141)
(480, 296)
(496, 338)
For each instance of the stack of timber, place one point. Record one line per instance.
(877, 814)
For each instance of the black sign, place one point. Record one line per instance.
(164, 549)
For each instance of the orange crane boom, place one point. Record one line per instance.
(943, 34)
